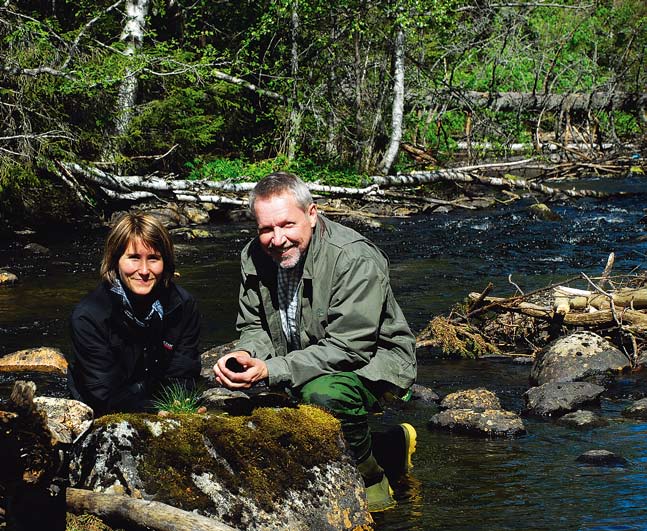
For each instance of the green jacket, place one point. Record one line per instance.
(349, 318)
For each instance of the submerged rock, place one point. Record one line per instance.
(489, 422)
(576, 357)
(275, 469)
(543, 212)
(557, 398)
(582, 419)
(424, 394)
(637, 410)
(601, 458)
(41, 359)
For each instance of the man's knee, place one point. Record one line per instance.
(339, 393)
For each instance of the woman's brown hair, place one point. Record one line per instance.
(137, 226)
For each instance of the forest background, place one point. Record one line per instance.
(334, 91)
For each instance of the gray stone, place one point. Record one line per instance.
(424, 394)
(36, 248)
(557, 398)
(582, 419)
(637, 410)
(601, 458)
(576, 357)
(489, 423)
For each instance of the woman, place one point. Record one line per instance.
(138, 330)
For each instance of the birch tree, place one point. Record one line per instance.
(133, 36)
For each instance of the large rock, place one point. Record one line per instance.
(41, 359)
(554, 399)
(489, 422)
(276, 469)
(576, 357)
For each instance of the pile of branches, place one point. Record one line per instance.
(92, 185)
(612, 305)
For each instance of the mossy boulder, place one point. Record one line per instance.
(278, 468)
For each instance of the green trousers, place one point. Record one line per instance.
(349, 399)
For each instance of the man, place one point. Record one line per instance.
(317, 317)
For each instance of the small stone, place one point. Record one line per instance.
(582, 419)
(601, 458)
(7, 278)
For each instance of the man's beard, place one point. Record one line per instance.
(292, 260)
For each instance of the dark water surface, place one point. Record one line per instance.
(458, 483)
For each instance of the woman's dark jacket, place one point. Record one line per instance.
(117, 365)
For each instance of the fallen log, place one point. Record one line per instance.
(635, 299)
(125, 511)
(600, 318)
(543, 102)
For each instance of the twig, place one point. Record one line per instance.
(515, 285)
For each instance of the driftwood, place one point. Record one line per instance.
(88, 180)
(595, 319)
(528, 321)
(124, 511)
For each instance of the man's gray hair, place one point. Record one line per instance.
(278, 183)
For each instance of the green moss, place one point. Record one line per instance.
(260, 456)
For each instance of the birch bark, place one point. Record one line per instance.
(398, 102)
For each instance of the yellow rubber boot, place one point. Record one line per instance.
(379, 494)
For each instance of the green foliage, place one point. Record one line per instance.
(176, 398)
(330, 62)
(239, 170)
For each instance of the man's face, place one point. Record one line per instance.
(284, 230)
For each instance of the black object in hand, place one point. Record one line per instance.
(233, 365)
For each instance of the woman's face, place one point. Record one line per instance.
(140, 268)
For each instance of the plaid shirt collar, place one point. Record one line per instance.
(156, 308)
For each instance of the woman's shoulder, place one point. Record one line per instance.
(97, 303)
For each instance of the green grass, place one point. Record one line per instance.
(176, 398)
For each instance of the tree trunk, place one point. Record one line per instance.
(133, 35)
(398, 102)
(295, 111)
(533, 102)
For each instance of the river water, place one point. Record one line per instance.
(458, 482)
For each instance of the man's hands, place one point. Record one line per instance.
(251, 370)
